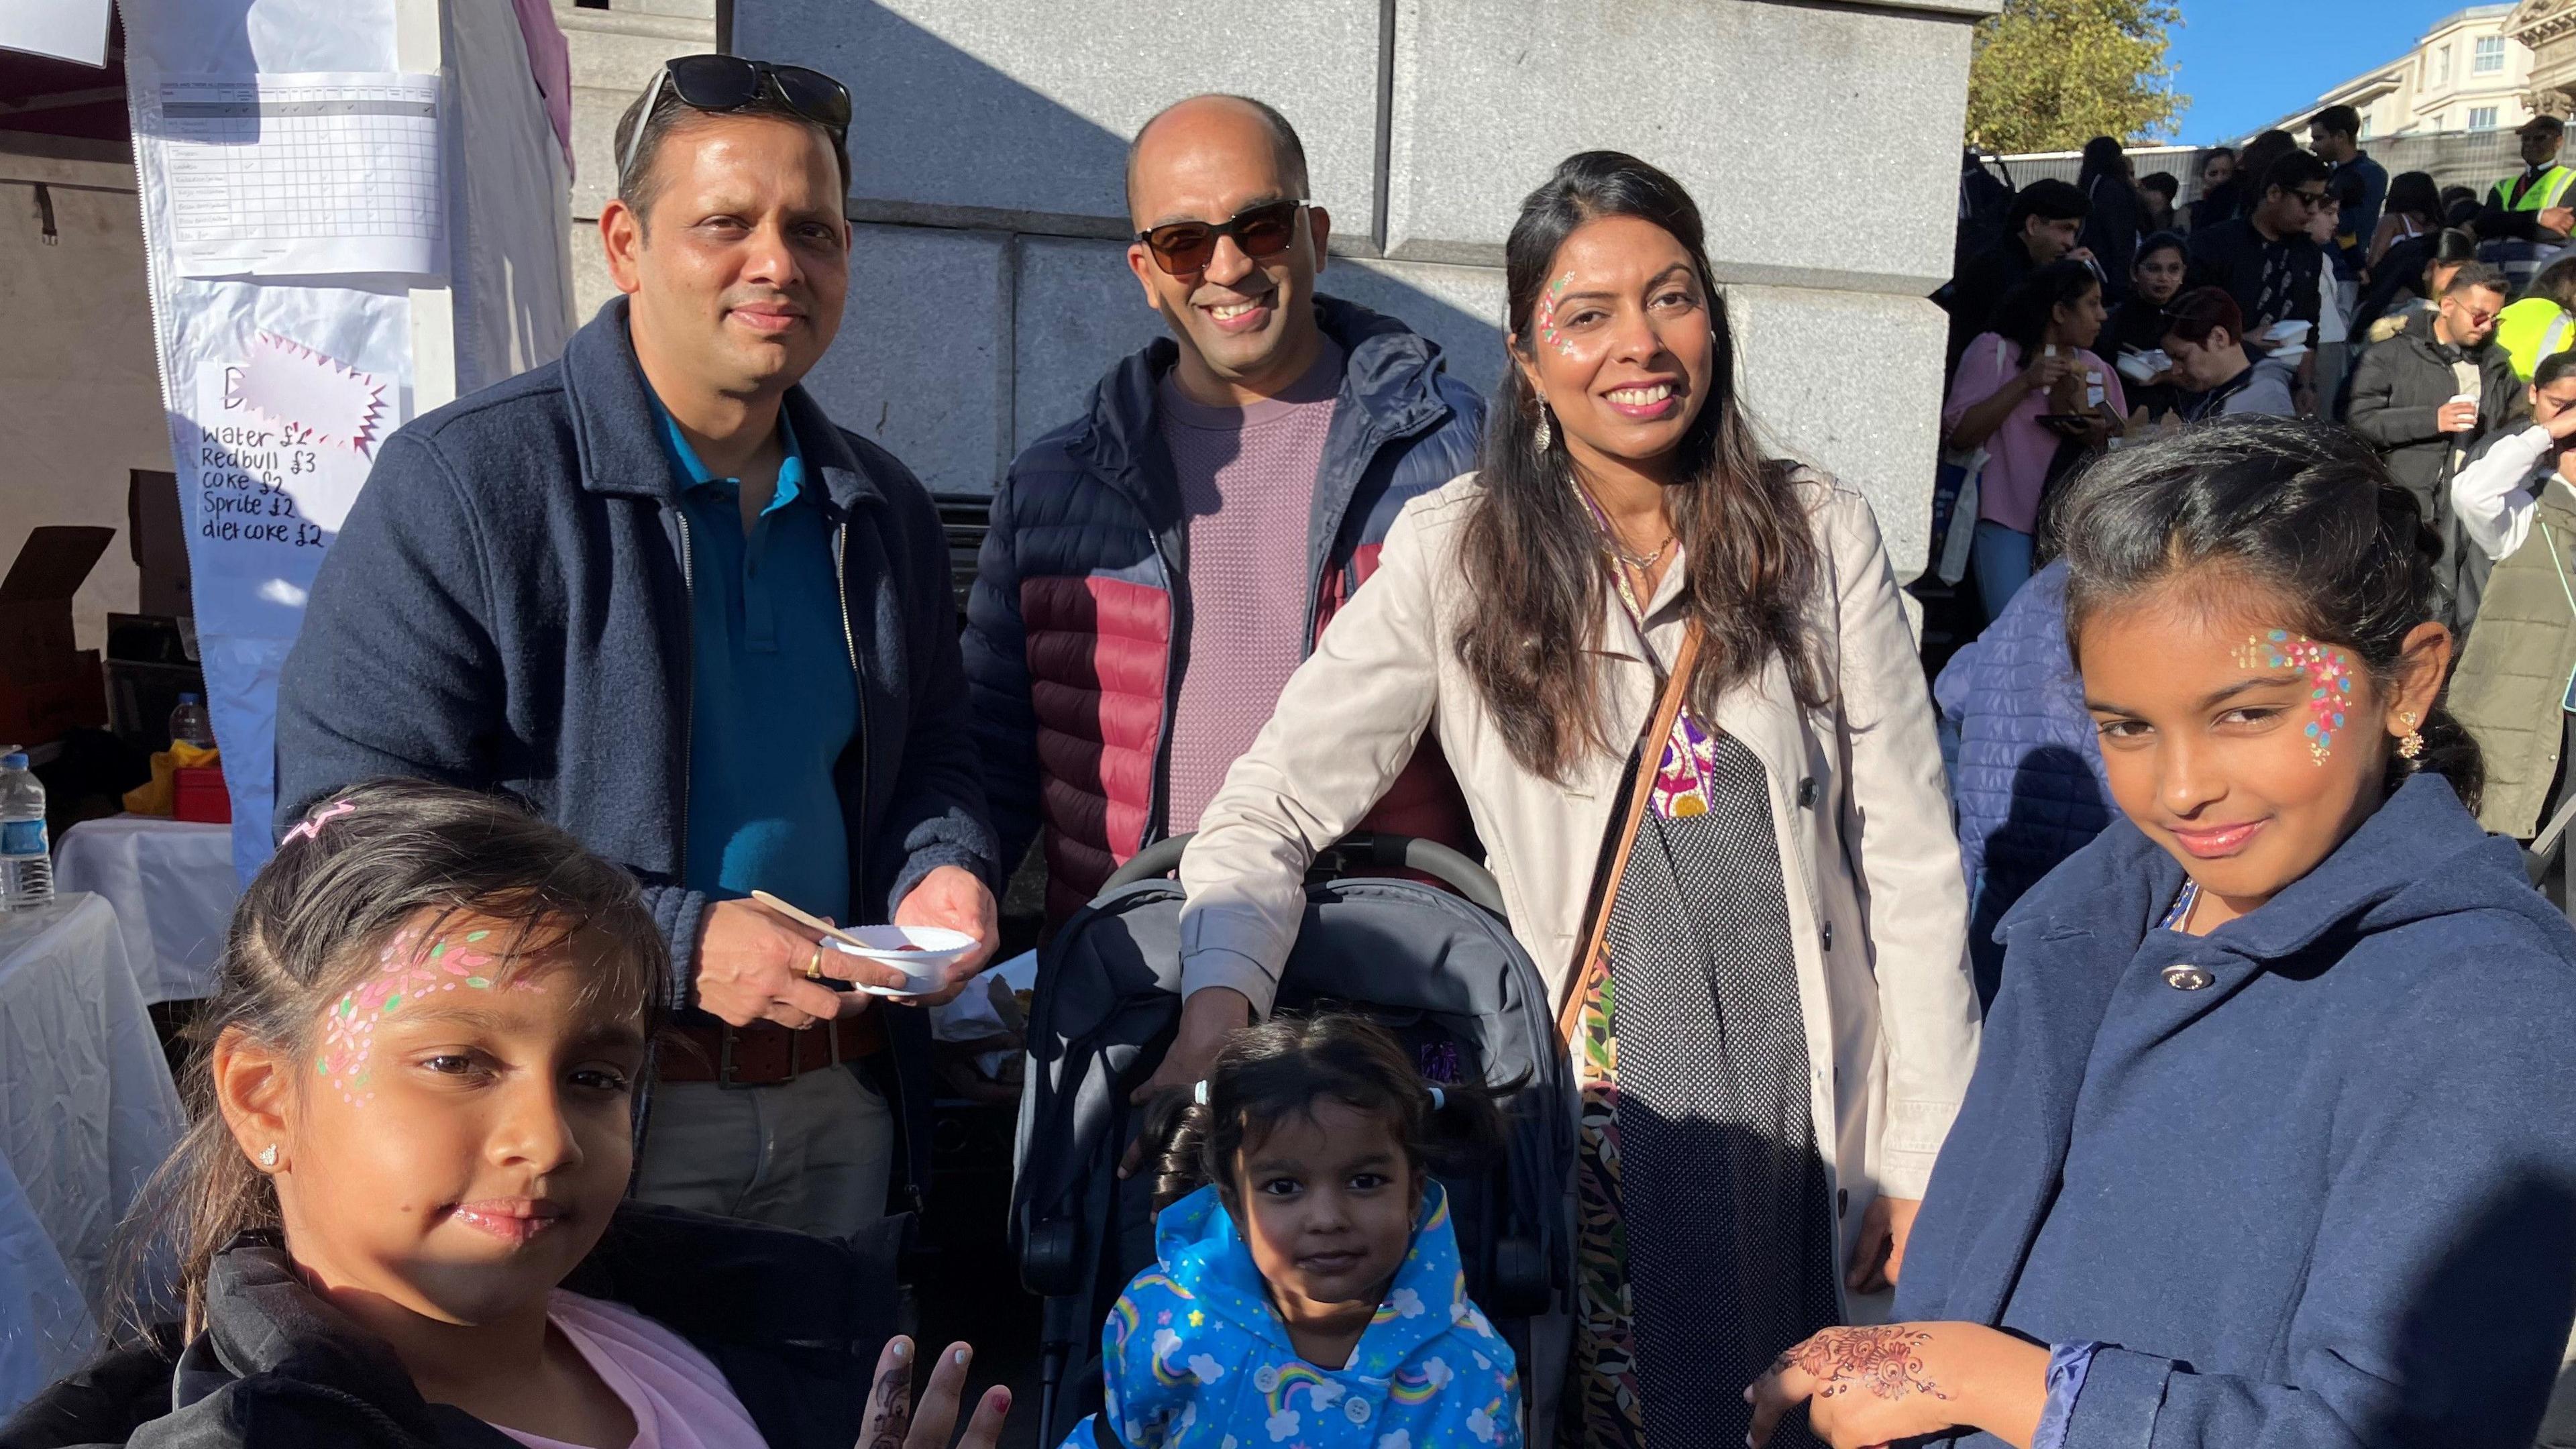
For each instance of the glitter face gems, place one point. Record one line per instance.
(406, 974)
(2329, 672)
(1547, 334)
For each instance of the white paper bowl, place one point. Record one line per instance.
(922, 953)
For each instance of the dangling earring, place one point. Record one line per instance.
(2412, 744)
(1545, 436)
(268, 1155)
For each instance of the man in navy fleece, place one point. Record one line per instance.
(652, 588)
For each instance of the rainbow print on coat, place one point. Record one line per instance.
(1195, 1357)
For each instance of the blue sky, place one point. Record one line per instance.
(2245, 62)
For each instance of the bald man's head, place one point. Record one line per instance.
(1221, 121)
(1235, 279)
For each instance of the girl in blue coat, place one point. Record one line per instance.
(2272, 1142)
(1309, 1291)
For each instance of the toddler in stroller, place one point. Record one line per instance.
(1308, 1284)
(1438, 971)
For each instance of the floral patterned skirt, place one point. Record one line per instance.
(1604, 1407)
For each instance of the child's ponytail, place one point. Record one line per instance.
(1464, 1131)
(1182, 1125)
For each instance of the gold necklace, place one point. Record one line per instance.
(1610, 539)
(1635, 561)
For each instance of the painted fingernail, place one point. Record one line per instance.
(901, 1348)
(959, 1357)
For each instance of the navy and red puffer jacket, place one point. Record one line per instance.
(1079, 621)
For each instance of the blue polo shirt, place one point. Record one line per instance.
(773, 703)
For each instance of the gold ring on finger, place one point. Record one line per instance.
(814, 965)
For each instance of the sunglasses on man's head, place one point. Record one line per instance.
(729, 82)
(1184, 248)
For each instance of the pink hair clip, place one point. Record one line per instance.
(312, 829)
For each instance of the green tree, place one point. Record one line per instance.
(2049, 75)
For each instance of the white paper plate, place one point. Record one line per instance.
(922, 953)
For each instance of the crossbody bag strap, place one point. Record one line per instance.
(1641, 788)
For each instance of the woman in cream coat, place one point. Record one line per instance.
(1785, 1021)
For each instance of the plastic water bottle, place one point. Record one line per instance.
(26, 866)
(189, 724)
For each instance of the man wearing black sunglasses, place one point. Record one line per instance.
(2266, 260)
(655, 590)
(1159, 566)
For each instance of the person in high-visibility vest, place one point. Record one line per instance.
(2543, 183)
(2543, 323)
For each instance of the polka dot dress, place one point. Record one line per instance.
(1720, 1194)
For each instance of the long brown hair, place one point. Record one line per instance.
(308, 930)
(1533, 556)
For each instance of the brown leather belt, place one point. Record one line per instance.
(765, 1054)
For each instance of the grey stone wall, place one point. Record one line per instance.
(614, 54)
(989, 289)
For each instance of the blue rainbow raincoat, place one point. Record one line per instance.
(1194, 1355)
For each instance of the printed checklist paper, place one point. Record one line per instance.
(307, 173)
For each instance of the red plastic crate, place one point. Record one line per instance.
(199, 795)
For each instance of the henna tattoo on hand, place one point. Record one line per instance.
(893, 1395)
(1888, 1361)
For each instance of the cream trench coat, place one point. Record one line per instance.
(1876, 904)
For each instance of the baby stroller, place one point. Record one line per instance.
(1441, 971)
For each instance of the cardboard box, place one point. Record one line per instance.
(46, 685)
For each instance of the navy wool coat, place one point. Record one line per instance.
(2311, 1178)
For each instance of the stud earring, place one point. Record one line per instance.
(2412, 743)
(1546, 436)
(268, 1155)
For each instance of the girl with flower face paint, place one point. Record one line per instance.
(415, 1109)
(2271, 1140)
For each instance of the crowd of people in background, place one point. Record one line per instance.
(2304, 281)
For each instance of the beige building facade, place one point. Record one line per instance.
(2547, 28)
(2468, 72)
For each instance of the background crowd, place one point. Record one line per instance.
(2304, 282)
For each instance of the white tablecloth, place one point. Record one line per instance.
(87, 1113)
(173, 887)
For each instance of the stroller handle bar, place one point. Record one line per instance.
(1445, 864)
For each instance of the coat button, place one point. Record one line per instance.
(1829, 935)
(2187, 978)
(1357, 1410)
(1266, 1379)
(1807, 791)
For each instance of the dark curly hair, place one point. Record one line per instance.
(1282, 1068)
